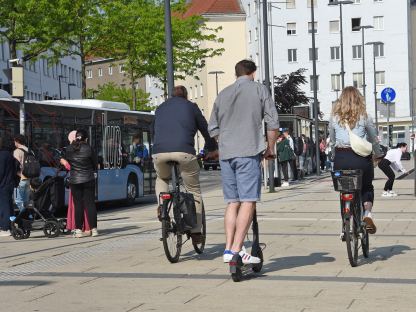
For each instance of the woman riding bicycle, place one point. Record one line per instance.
(350, 109)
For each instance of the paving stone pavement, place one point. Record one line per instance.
(306, 266)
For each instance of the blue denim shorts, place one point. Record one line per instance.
(241, 179)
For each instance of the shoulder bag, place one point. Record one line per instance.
(359, 145)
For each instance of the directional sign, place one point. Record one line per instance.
(388, 95)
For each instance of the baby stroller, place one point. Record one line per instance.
(47, 200)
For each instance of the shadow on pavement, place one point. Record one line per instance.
(19, 283)
(387, 252)
(286, 263)
(210, 253)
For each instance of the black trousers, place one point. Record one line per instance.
(285, 170)
(348, 160)
(294, 168)
(384, 166)
(322, 159)
(84, 198)
(6, 207)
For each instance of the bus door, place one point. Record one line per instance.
(149, 174)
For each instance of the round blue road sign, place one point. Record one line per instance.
(388, 95)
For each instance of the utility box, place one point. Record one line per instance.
(17, 82)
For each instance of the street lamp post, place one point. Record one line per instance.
(374, 44)
(169, 48)
(69, 89)
(216, 73)
(363, 28)
(340, 4)
(315, 91)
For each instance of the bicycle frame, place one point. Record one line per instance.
(351, 205)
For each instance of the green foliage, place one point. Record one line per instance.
(288, 92)
(112, 92)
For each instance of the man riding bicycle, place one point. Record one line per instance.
(176, 122)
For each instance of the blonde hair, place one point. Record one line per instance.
(350, 107)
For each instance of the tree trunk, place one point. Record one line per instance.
(133, 90)
(13, 49)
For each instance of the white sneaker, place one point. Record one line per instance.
(5, 233)
(386, 194)
(227, 256)
(247, 258)
(77, 234)
(94, 232)
(285, 184)
(392, 193)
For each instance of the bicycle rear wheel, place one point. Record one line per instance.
(199, 248)
(351, 239)
(365, 244)
(172, 240)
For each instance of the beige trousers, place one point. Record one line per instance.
(189, 170)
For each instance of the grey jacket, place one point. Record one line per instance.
(364, 128)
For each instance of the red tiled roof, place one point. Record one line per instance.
(199, 7)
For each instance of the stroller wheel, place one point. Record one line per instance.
(51, 229)
(62, 225)
(18, 234)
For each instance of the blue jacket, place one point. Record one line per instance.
(8, 167)
(176, 122)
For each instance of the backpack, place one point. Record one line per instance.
(297, 146)
(31, 165)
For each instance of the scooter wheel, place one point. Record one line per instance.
(258, 266)
(235, 268)
(237, 276)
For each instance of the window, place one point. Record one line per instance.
(249, 36)
(378, 0)
(357, 80)
(334, 27)
(255, 7)
(357, 1)
(335, 53)
(248, 10)
(292, 55)
(380, 77)
(201, 90)
(311, 52)
(291, 29)
(257, 59)
(290, 4)
(311, 82)
(190, 94)
(89, 73)
(315, 3)
(110, 70)
(355, 24)
(379, 50)
(310, 27)
(378, 22)
(196, 91)
(2, 50)
(335, 82)
(121, 69)
(100, 72)
(256, 34)
(357, 52)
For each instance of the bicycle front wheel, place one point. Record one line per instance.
(351, 239)
(199, 248)
(172, 240)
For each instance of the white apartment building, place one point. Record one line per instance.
(291, 48)
(41, 78)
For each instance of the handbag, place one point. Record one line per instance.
(359, 145)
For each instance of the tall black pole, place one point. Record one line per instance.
(60, 89)
(267, 81)
(363, 47)
(216, 82)
(169, 48)
(375, 86)
(69, 91)
(342, 48)
(315, 91)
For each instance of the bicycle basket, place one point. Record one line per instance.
(347, 180)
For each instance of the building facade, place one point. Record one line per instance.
(291, 48)
(44, 80)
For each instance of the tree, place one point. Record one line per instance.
(112, 92)
(288, 92)
(143, 45)
(26, 25)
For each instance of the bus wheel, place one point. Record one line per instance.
(131, 190)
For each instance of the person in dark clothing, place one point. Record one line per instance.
(285, 155)
(8, 174)
(176, 122)
(83, 162)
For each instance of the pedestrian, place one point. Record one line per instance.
(8, 172)
(322, 154)
(391, 161)
(83, 171)
(22, 191)
(237, 123)
(285, 156)
(303, 157)
(350, 113)
(292, 162)
(328, 155)
(138, 151)
(70, 219)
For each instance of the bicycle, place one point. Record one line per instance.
(237, 268)
(348, 183)
(172, 223)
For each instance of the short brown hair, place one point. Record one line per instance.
(245, 67)
(180, 91)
